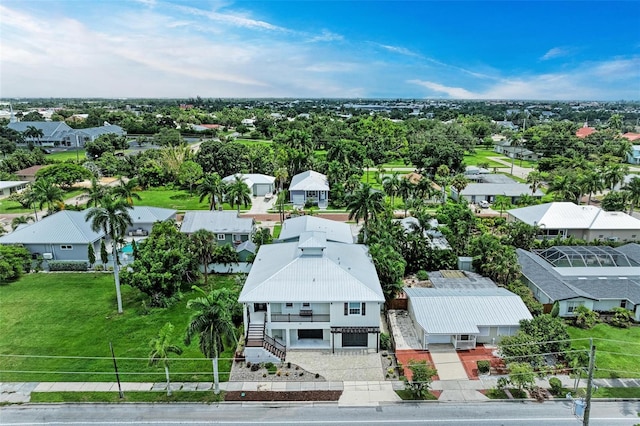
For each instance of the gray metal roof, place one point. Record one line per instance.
(470, 281)
(341, 273)
(248, 245)
(252, 179)
(441, 311)
(496, 178)
(309, 181)
(334, 231)
(506, 189)
(102, 130)
(47, 127)
(64, 227)
(223, 222)
(145, 214)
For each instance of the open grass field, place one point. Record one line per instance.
(617, 349)
(8, 206)
(47, 318)
(482, 156)
(177, 199)
(67, 155)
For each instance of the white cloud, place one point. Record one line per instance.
(232, 19)
(326, 35)
(554, 53)
(453, 92)
(399, 50)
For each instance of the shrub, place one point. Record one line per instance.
(98, 268)
(422, 275)
(483, 366)
(385, 341)
(555, 386)
(272, 369)
(585, 317)
(621, 317)
(68, 265)
(421, 378)
(255, 367)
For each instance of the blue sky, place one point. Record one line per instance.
(334, 49)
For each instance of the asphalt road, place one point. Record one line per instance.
(491, 413)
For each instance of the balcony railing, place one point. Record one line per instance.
(303, 317)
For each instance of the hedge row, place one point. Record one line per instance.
(68, 265)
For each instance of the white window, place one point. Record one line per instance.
(572, 306)
(66, 247)
(305, 305)
(221, 237)
(236, 237)
(354, 308)
(289, 305)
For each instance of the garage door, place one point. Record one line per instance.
(298, 199)
(354, 339)
(310, 334)
(439, 338)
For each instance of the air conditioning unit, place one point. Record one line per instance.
(47, 256)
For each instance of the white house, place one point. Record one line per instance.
(464, 317)
(259, 184)
(564, 219)
(310, 294)
(311, 187)
(598, 277)
(8, 187)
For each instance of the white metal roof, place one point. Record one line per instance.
(567, 215)
(4, 184)
(340, 273)
(224, 222)
(444, 311)
(145, 214)
(63, 227)
(251, 179)
(309, 181)
(334, 231)
(507, 189)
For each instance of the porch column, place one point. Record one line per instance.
(268, 319)
(245, 317)
(288, 336)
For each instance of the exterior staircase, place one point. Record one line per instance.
(257, 338)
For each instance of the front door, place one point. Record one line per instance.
(259, 307)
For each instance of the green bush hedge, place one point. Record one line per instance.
(483, 366)
(68, 265)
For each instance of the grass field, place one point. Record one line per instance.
(177, 199)
(50, 321)
(67, 155)
(617, 349)
(114, 397)
(8, 206)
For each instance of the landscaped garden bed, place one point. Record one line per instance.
(316, 395)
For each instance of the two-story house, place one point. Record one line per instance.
(310, 294)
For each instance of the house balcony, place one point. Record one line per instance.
(305, 315)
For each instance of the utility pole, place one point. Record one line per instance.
(592, 362)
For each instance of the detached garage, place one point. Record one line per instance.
(464, 318)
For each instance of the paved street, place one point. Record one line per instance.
(485, 413)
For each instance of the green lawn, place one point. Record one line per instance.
(617, 349)
(111, 397)
(482, 156)
(67, 155)
(264, 142)
(8, 206)
(74, 315)
(177, 199)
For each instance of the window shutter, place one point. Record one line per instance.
(346, 309)
(364, 308)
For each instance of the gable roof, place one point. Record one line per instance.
(338, 273)
(631, 250)
(585, 131)
(631, 136)
(222, 222)
(506, 189)
(146, 214)
(102, 130)
(309, 181)
(567, 215)
(47, 127)
(4, 184)
(252, 179)
(63, 227)
(440, 311)
(334, 231)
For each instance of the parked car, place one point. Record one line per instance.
(484, 204)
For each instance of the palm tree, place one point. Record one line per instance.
(365, 204)
(501, 202)
(565, 187)
(535, 179)
(281, 174)
(127, 190)
(459, 182)
(591, 182)
(46, 193)
(113, 218)
(391, 185)
(20, 220)
(212, 323)
(614, 174)
(239, 193)
(95, 193)
(203, 245)
(633, 188)
(160, 350)
(213, 189)
(442, 178)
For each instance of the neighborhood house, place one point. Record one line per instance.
(309, 187)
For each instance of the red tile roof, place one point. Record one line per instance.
(632, 136)
(583, 132)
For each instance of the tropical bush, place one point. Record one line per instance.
(68, 265)
(14, 261)
(585, 317)
(483, 366)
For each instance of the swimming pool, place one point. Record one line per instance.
(127, 249)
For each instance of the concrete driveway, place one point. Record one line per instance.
(365, 365)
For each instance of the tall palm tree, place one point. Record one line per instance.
(238, 193)
(365, 204)
(95, 193)
(160, 350)
(535, 179)
(212, 323)
(127, 190)
(591, 183)
(442, 178)
(213, 189)
(281, 174)
(391, 185)
(614, 174)
(20, 220)
(633, 188)
(459, 182)
(46, 193)
(203, 243)
(113, 218)
(565, 187)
